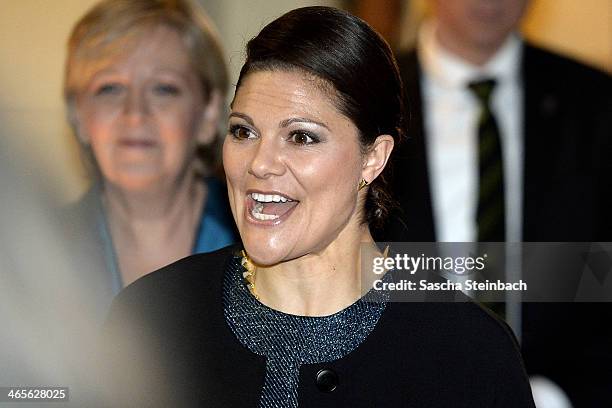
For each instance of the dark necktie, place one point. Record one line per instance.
(490, 214)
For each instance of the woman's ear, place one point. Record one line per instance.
(377, 157)
(74, 118)
(210, 119)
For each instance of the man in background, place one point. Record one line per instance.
(509, 142)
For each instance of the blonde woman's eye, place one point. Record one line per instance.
(303, 138)
(166, 90)
(241, 132)
(108, 89)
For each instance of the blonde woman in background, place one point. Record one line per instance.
(144, 86)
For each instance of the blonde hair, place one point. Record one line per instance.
(111, 27)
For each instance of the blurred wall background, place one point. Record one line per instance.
(582, 28)
(33, 34)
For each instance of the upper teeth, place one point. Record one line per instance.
(268, 198)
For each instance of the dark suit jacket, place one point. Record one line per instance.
(567, 184)
(419, 354)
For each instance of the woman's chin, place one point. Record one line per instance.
(264, 254)
(263, 259)
(136, 184)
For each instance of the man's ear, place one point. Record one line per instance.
(210, 119)
(377, 157)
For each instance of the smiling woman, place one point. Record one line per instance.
(281, 320)
(303, 150)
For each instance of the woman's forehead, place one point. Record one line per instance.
(97, 54)
(286, 90)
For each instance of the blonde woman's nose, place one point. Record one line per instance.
(135, 105)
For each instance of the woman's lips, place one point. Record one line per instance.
(269, 208)
(137, 143)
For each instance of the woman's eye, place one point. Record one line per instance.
(109, 89)
(303, 138)
(241, 132)
(166, 90)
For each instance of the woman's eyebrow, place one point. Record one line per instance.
(109, 71)
(242, 116)
(288, 122)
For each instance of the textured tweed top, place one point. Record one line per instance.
(288, 341)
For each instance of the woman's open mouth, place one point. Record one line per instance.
(269, 206)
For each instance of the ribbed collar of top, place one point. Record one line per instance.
(451, 71)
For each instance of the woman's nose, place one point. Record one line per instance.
(267, 160)
(135, 107)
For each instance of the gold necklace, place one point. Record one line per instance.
(249, 273)
(249, 270)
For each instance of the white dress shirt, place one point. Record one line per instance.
(451, 114)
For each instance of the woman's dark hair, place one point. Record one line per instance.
(347, 53)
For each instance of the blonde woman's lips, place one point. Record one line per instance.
(137, 143)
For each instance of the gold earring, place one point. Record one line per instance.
(362, 184)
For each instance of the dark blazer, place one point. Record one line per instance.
(567, 182)
(419, 354)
